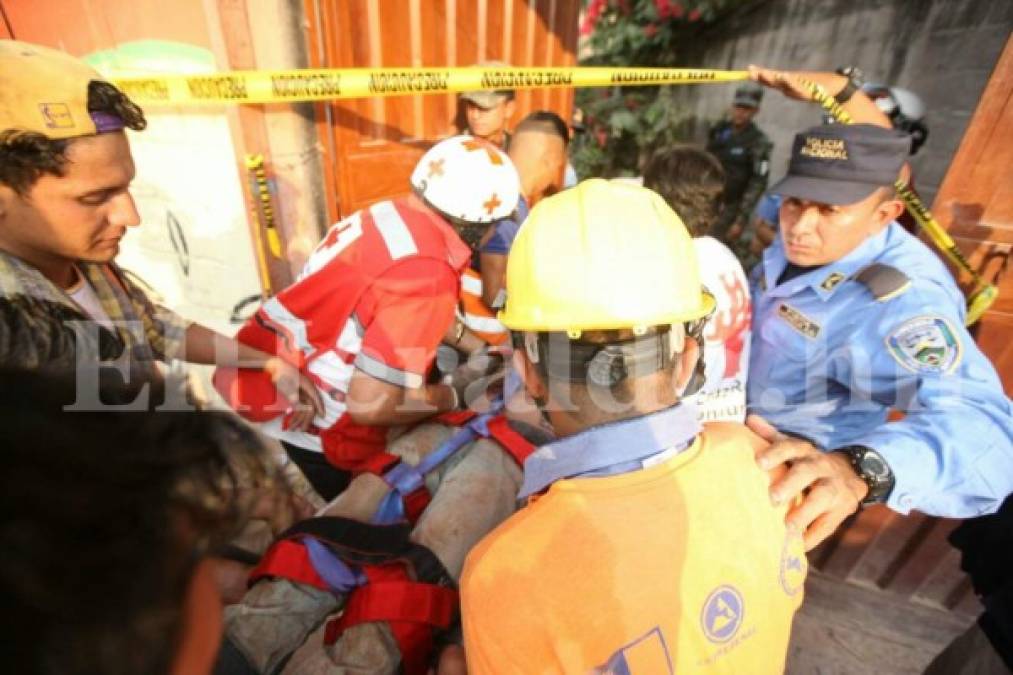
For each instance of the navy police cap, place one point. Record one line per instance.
(843, 163)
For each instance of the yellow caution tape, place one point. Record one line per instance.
(322, 84)
(255, 165)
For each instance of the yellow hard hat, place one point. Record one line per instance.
(599, 256)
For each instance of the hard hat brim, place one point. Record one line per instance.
(516, 321)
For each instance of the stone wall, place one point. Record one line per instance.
(943, 50)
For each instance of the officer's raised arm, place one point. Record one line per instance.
(844, 88)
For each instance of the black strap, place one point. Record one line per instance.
(361, 543)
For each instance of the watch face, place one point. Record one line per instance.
(873, 465)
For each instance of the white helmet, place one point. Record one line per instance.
(468, 179)
(894, 100)
(905, 109)
(909, 103)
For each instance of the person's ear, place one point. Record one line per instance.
(687, 363)
(7, 195)
(888, 211)
(509, 108)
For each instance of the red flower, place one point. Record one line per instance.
(594, 10)
(694, 15)
(676, 11)
(600, 137)
(650, 30)
(664, 8)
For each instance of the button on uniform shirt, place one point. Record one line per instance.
(829, 361)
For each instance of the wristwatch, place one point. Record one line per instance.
(856, 78)
(873, 469)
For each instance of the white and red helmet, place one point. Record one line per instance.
(468, 179)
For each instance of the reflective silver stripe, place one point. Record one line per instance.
(359, 329)
(381, 371)
(485, 324)
(472, 285)
(393, 230)
(350, 339)
(280, 315)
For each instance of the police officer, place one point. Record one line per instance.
(487, 114)
(744, 152)
(854, 317)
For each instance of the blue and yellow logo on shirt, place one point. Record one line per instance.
(722, 614)
(793, 565)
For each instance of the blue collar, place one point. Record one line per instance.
(617, 447)
(824, 280)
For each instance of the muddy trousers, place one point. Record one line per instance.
(279, 626)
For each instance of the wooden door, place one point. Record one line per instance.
(975, 203)
(371, 145)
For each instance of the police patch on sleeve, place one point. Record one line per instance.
(925, 344)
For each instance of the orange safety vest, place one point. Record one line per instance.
(478, 318)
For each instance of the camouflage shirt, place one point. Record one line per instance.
(745, 156)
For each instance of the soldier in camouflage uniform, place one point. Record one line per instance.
(744, 152)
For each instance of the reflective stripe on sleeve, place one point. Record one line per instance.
(381, 371)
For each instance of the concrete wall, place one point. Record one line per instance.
(944, 50)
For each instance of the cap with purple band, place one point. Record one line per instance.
(45, 91)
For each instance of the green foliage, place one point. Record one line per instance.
(624, 123)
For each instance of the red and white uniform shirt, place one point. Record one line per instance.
(377, 295)
(727, 335)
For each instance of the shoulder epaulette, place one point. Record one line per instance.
(883, 281)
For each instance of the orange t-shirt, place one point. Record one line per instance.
(678, 568)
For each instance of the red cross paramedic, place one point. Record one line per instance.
(368, 311)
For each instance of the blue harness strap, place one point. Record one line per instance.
(405, 479)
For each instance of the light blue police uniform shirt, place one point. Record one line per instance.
(829, 361)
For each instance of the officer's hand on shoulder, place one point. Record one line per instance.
(828, 486)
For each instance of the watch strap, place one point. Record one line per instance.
(879, 489)
(855, 81)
